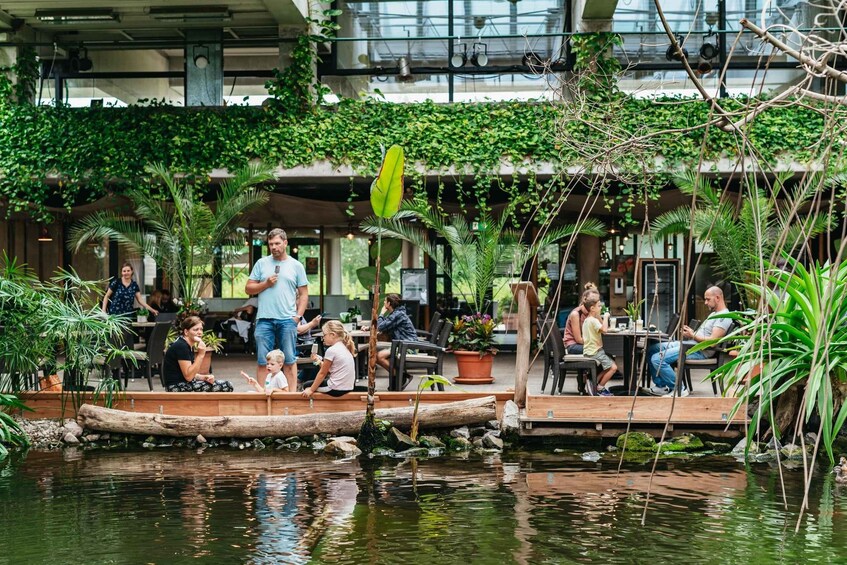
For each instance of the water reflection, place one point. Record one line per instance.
(281, 507)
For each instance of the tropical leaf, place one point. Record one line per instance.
(387, 188)
(367, 277)
(389, 250)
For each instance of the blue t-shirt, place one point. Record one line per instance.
(279, 301)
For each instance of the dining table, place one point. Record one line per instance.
(630, 339)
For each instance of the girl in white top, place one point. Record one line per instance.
(275, 380)
(337, 362)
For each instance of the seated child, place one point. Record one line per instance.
(337, 363)
(592, 334)
(275, 380)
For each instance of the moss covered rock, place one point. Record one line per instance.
(684, 442)
(636, 441)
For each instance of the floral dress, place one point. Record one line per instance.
(122, 301)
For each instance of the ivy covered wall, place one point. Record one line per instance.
(96, 149)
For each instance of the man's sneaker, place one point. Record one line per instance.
(659, 390)
(684, 392)
(604, 392)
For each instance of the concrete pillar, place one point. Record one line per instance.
(204, 68)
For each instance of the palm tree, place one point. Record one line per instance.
(478, 255)
(742, 236)
(179, 230)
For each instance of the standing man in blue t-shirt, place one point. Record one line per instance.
(283, 292)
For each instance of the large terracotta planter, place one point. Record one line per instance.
(473, 368)
(205, 364)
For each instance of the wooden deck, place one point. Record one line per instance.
(543, 416)
(609, 416)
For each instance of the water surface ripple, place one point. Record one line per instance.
(172, 506)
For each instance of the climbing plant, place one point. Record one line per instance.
(596, 68)
(61, 156)
(294, 90)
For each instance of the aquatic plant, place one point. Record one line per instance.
(11, 433)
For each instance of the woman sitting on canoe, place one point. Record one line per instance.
(181, 368)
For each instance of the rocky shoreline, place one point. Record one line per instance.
(493, 437)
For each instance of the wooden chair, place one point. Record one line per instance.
(563, 362)
(720, 358)
(429, 357)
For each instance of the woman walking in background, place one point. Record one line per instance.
(122, 293)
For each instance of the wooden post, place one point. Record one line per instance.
(527, 298)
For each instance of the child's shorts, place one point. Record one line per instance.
(604, 360)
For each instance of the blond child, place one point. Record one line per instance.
(337, 363)
(593, 329)
(275, 379)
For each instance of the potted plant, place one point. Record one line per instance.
(141, 315)
(633, 310)
(479, 252)
(472, 342)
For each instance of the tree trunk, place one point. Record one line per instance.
(474, 411)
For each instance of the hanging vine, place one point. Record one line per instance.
(294, 89)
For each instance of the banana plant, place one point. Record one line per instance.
(386, 195)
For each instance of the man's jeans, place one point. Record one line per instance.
(661, 357)
(270, 332)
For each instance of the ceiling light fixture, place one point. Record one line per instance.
(189, 13)
(460, 55)
(533, 62)
(672, 54)
(201, 56)
(76, 15)
(404, 70)
(78, 60)
(479, 58)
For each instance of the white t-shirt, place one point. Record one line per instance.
(278, 380)
(342, 373)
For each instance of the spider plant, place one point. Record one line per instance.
(799, 340)
(177, 228)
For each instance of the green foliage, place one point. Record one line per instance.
(175, 226)
(61, 156)
(743, 236)
(799, 339)
(45, 322)
(387, 188)
(633, 309)
(294, 90)
(478, 256)
(596, 67)
(473, 333)
(427, 381)
(11, 433)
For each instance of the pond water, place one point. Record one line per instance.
(178, 506)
